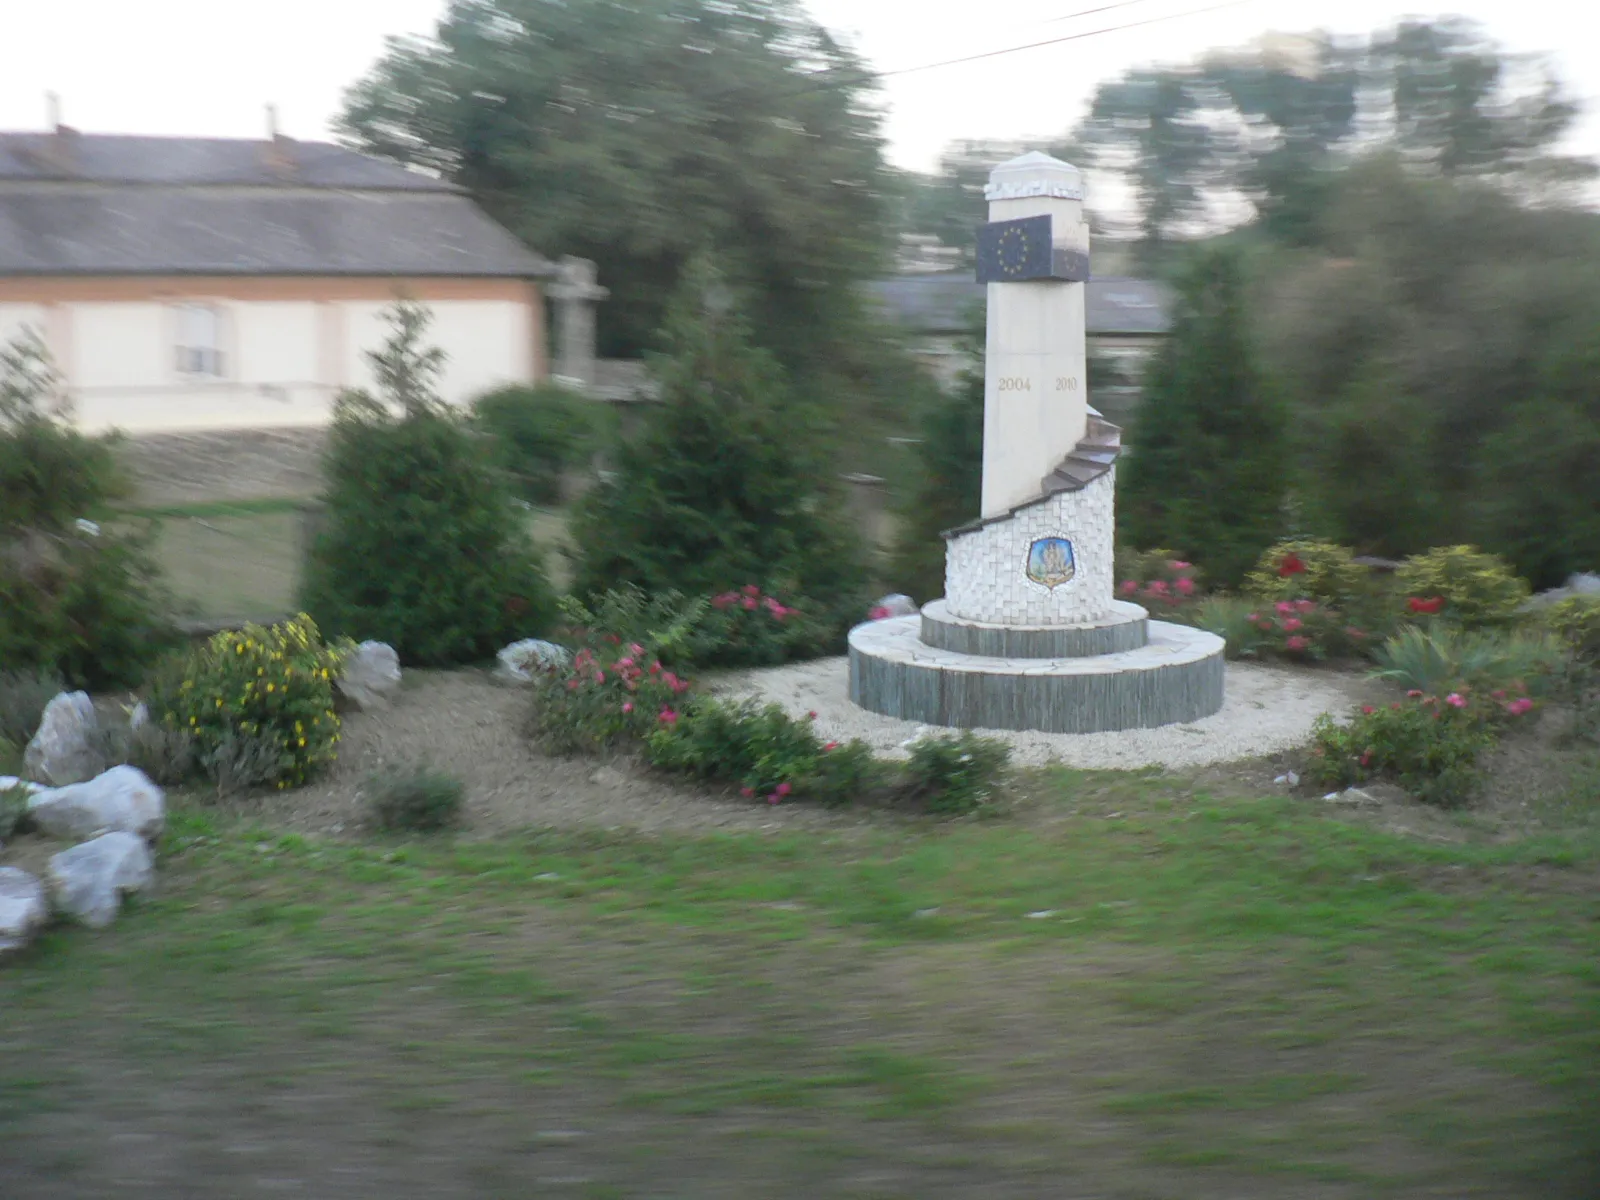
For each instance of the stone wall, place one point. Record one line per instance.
(986, 570)
(239, 464)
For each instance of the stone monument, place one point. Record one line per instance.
(1029, 634)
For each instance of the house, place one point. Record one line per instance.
(186, 284)
(1125, 320)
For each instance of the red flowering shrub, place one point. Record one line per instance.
(600, 700)
(1427, 744)
(1425, 607)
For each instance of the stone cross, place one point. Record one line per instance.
(1035, 401)
(575, 295)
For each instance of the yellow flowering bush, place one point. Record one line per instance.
(1463, 584)
(267, 689)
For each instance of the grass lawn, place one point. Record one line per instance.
(1129, 986)
(241, 561)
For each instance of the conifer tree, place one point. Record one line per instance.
(948, 489)
(721, 487)
(1207, 468)
(422, 546)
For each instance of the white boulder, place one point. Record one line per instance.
(88, 881)
(894, 605)
(521, 661)
(23, 908)
(66, 749)
(121, 800)
(371, 675)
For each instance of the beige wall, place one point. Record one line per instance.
(288, 345)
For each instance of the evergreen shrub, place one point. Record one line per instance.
(721, 486)
(422, 546)
(948, 487)
(1208, 467)
(537, 433)
(79, 592)
(1478, 590)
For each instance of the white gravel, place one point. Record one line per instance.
(1266, 710)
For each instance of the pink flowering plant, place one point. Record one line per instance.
(771, 756)
(1429, 744)
(1303, 631)
(1161, 580)
(603, 699)
(748, 626)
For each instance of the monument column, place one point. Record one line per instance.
(1029, 634)
(1034, 256)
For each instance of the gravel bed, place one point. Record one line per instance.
(1266, 710)
(464, 723)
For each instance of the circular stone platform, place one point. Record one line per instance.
(1124, 628)
(1176, 676)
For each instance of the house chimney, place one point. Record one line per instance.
(279, 152)
(58, 147)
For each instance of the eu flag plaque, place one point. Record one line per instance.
(1023, 249)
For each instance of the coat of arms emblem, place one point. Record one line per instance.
(1050, 562)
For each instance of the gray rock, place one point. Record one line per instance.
(894, 605)
(1353, 795)
(120, 800)
(88, 881)
(521, 661)
(1585, 584)
(371, 675)
(23, 908)
(67, 747)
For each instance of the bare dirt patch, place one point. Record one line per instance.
(464, 723)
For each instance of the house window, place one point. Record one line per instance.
(200, 341)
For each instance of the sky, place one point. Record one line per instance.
(210, 67)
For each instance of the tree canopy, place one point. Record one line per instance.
(639, 132)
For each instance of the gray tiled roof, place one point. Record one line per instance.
(121, 158)
(948, 302)
(214, 207)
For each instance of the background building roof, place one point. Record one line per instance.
(280, 162)
(208, 206)
(949, 303)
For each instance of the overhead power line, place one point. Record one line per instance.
(1070, 37)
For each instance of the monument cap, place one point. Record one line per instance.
(1034, 174)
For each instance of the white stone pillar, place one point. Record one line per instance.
(1035, 384)
(575, 295)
